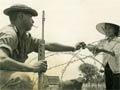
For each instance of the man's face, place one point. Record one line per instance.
(27, 22)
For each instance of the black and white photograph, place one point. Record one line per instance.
(59, 45)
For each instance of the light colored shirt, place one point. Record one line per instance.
(18, 47)
(112, 46)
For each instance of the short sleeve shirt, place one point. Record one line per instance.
(18, 47)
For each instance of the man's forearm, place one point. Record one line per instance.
(58, 47)
(95, 50)
(108, 52)
(12, 65)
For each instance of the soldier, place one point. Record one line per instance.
(15, 44)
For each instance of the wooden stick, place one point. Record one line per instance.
(41, 54)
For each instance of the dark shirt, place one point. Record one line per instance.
(18, 47)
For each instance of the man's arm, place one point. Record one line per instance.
(7, 63)
(95, 50)
(55, 47)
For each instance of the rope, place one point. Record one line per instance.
(70, 61)
(68, 64)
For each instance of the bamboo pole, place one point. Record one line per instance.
(41, 54)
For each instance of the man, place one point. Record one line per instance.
(15, 44)
(110, 46)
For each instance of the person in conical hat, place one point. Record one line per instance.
(15, 45)
(103, 28)
(111, 62)
(110, 47)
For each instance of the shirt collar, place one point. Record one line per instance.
(109, 40)
(14, 27)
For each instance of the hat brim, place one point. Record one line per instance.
(101, 27)
(31, 11)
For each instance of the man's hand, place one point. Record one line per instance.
(40, 66)
(80, 45)
(94, 49)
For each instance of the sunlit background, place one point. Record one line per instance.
(68, 22)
